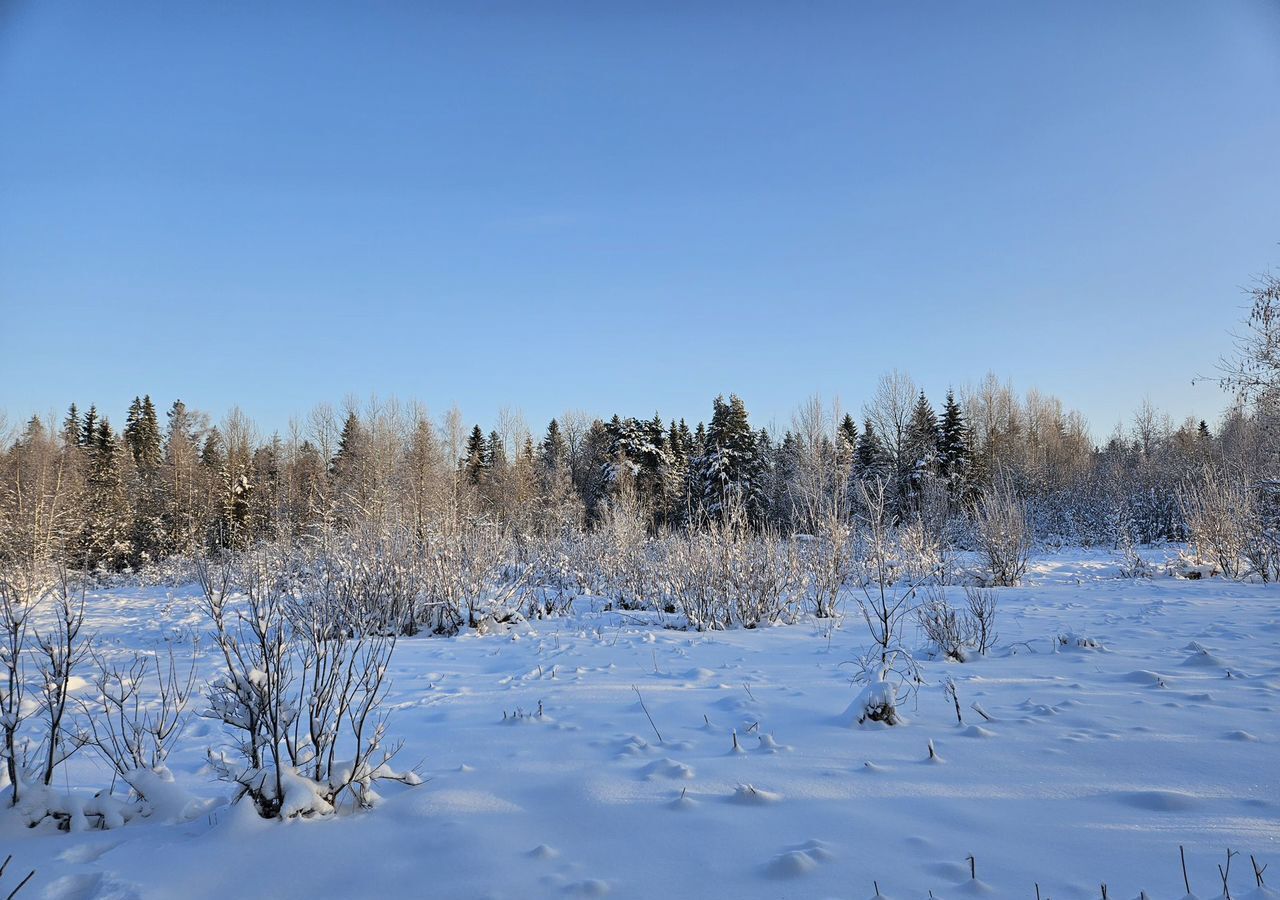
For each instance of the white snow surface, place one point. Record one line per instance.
(1157, 723)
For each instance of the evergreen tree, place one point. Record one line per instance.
(953, 446)
(846, 442)
(475, 464)
(730, 470)
(109, 524)
(89, 427)
(786, 468)
(592, 483)
(142, 434)
(920, 449)
(870, 459)
(212, 455)
(71, 427)
(351, 470)
(495, 454)
(554, 449)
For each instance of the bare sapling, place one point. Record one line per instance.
(59, 649)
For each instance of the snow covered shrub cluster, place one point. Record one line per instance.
(473, 576)
(731, 576)
(1003, 535)
(130, 719)
(304, 671)
(958, 634)
(1230, 527)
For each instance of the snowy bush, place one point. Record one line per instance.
(730, 575)
(1002, 533)
(472, 574)
(944, 626)
(301, 688)
(1224, 514)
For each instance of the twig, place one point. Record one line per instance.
(1226, 873)
(1185, 881)
(1257, 873)
(649, 717)
(21, 885)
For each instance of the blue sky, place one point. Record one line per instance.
(629, 207)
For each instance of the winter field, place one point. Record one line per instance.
(1154, 725)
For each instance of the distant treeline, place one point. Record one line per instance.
(109, 498)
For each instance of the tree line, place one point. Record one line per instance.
(112, 499)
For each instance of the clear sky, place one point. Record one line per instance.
(629, 207)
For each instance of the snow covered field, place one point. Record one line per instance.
(545, 778)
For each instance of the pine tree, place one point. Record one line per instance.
(89, 427)
(921, 444)
(212, 455)
(871, 462)
(109, 525)
(475, 463)
(729, 470)
(350, 470)
(786, 468)
(847, 442)
(71, 427)
(495, 455)
(142, 434)
(554, 449)
(953, 447)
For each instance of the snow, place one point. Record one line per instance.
(1122, 718)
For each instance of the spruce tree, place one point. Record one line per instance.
(89, 427)
(475, 461)
(871, 462)
(921, 444)
(730, 470)
(554, 450)
(846, 442)
(495, 454)
(953, 446)
(109, 525)
(71, 427)
(142, 434)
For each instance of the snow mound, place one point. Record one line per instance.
(1202, 658)
(1142, 676)
(1241, 736)
(792, 864)
(667, 768)
(750, 795)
